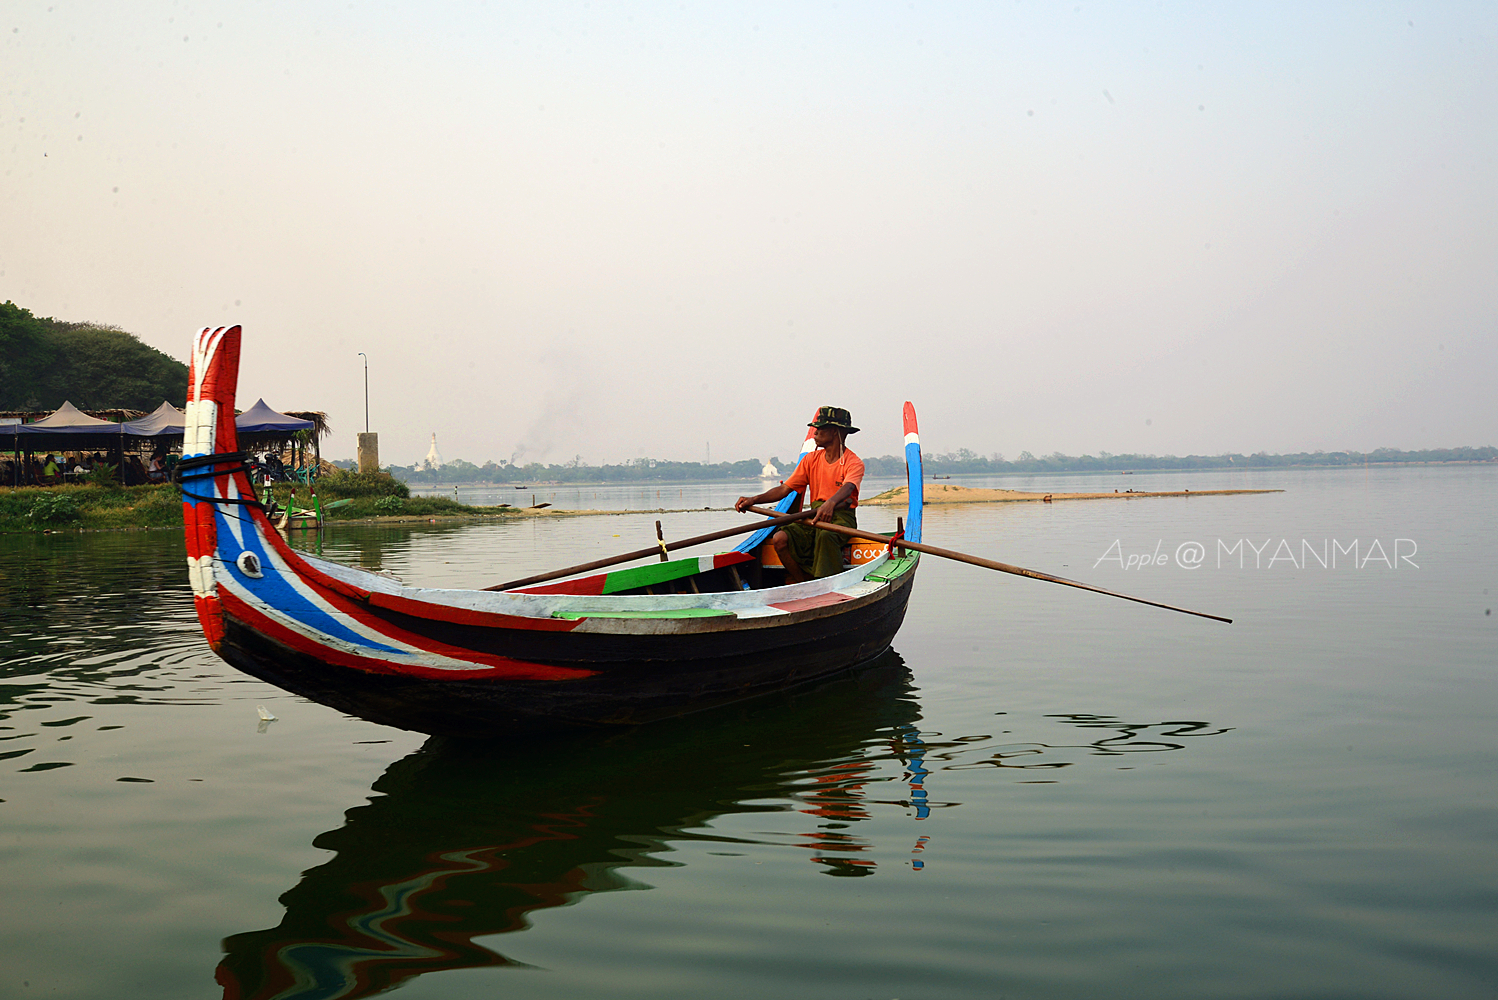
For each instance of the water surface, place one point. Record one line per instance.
(1040, 793)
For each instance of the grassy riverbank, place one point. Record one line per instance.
(96, 508)
(91, 508)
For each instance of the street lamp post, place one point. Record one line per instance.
(369, 444)
(366, 390)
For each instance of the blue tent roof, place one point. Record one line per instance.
(261, 419)
(165, 421)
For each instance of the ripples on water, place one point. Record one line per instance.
(91, 622)
(465, 841)
(1034, 794)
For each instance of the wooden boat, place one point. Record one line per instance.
(628, 646)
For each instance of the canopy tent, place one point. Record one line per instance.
(113, 415)
(67, 429)
(70, 429)
(165, 421)
(261, 419)
(68, 419)
(261, 427)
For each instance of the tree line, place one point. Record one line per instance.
(961, 462)
(44, 362)
(964, 462)
(639, 470)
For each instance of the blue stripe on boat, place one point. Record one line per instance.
(274, 591)
(917, 496)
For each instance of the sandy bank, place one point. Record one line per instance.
(936, 494)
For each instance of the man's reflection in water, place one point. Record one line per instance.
(467, 840)
(838, 797)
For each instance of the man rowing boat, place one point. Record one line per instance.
(829, 477)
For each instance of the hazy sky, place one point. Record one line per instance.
(621, 230)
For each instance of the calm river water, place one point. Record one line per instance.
(1039, 793)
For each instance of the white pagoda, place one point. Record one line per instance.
(434, 457)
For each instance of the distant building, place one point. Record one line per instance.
(769, 472)
(434, 457)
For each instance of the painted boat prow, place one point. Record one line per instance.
(208, 427)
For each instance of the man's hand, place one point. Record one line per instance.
(768, 496)
(830, 506)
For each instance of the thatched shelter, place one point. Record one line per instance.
(117, 416)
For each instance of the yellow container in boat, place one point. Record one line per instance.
(865, 551)
(859, 553)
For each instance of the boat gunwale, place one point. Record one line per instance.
(543, 606)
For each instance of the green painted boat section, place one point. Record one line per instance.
(671, 613)
(644, 576)
(649, 576)
(892, 569)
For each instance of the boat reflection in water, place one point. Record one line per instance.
(466, 840)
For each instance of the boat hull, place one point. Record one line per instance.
(625, 647)
(631, 678)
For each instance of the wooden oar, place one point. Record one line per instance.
(990, 564)
(776, 518)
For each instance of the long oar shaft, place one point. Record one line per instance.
(994, 564)
(777, 518)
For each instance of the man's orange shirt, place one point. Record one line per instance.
(819, 479)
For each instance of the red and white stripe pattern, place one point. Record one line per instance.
(215, 363)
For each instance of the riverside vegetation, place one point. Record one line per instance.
(44, 361)
(103, 505)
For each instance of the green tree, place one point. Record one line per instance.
(103, 366)
(26, 357)
(46, 361)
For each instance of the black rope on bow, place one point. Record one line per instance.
(197, 462)
(205, 467)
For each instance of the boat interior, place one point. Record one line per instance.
(727, 572)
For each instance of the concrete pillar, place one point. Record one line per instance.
(369, 452)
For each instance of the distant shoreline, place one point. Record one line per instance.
(959, 463)
(945, 494)
(539, 483)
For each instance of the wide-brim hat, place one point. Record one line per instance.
(835, 417)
